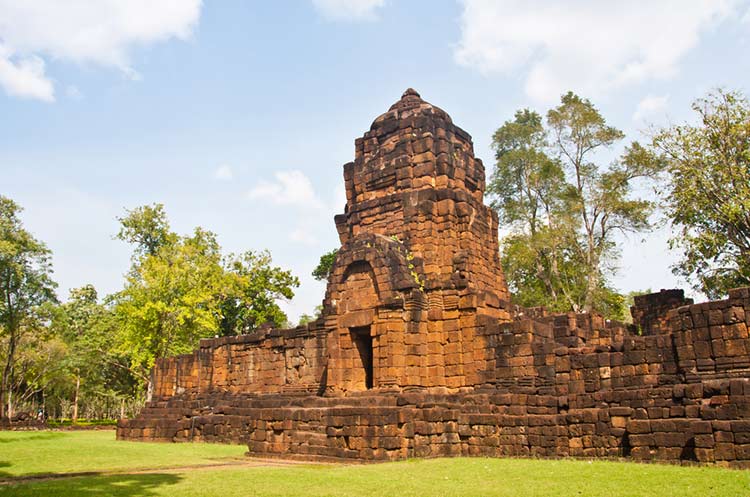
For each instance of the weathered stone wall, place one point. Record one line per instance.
(22, 421)
(269, 360)
(541, 394)
(677, 423)
(650, 310)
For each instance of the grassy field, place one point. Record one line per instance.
(175, 470)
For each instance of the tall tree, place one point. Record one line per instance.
(147, 227)
(98, 369)
(25, 284)
(708, 195)
(602, 196)
(564, 208)
(529, 192)
(171, 298)
(254, 287)
(181, 289)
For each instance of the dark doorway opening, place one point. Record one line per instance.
(363, 341)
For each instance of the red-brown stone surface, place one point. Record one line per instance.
(418, 352)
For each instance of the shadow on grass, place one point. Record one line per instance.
(39, 435)
(134, 485)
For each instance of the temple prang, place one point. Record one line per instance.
(419, 352)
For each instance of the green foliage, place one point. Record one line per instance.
(324, 267)
(98, 372)
(708, 197)
(67, 423)
(307, 318)
(25, 286)
(255, 286)
(563, 209)
(171, 299)
(181, 289)
(147, 227)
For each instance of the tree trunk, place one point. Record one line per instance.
(122, 408)
(5, 397)
(591, 286)
(75, 400)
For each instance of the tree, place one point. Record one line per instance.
(147, 227)
(180, 289)
(25, 285)
(40, 361)
(98, 369)
(563, 208)
(708, 195)
(324, 267)
(255, 286)
(529, 192)
(171, 299)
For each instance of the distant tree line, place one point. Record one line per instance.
(90, 356)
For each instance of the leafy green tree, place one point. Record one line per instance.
(181, 289)
(254, 288)
(147, 227)
(25, 285)
(171, 299)
(563, 208)
(324, 267)
(40, 363)
(529, 192)
(307, 318)
(97, 369)
(708, 195)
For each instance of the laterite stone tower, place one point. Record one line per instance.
(419, 257)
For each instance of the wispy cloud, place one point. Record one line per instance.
(650, 105)
(303, 236)
(349, 10)
(289, 188)
(86, 31)
(224, 173)
(583, 45)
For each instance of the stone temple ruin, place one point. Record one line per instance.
(419, 353)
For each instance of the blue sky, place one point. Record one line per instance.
(238, 115)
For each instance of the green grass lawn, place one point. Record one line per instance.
(45, 452)
(25, 453)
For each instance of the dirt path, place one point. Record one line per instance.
(251, 462)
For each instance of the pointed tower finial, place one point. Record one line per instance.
(410, 92)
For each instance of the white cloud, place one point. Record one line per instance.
(588, 46)
(101, 32)
(224, 172)
(348, 10)
(303, 236)
(290, 188)
(650, 105)
(24, 77)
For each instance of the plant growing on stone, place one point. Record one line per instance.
(323, 270)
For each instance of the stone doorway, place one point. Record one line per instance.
(363, 342)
